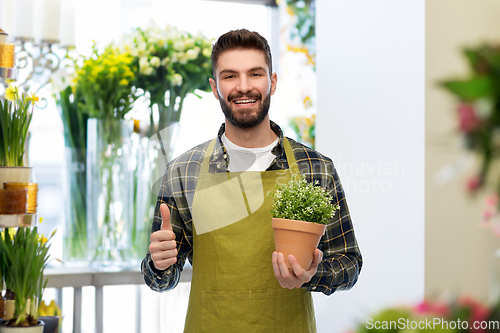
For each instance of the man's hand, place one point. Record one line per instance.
(163, 247)
(299, 276)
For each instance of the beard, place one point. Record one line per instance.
(243, 118)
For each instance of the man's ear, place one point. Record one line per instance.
(213, 84)
(274, 82)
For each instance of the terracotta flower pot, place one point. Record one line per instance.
(298, 238)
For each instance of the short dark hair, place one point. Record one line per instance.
(241, 39)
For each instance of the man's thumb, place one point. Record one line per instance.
(165, 217)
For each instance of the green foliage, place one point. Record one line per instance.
(15, 119)
(74, 119)
(302, 201)
(478, 110)
(305, 26)
(105, 82)
(24, 258)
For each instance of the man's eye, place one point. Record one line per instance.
(256, 74)
(228, 76)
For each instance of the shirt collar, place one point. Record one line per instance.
(220, 160)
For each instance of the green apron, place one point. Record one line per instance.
(233, 287)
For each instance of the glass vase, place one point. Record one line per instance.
(152, 155)
(75, 208)
(109, 192)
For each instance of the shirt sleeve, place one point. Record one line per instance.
(342, 260)
(164, 280)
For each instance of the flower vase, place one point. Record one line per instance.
(75, 211)
(109, 192)
(152, 155)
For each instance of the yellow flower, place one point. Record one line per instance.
(12, 233)
(11, 93)
(33, 98)
(42, 239)
(307, 102)
(123, 82)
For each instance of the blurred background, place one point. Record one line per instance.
(366, 88)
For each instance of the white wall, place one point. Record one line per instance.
(370, 66)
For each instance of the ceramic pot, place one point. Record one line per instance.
(15, 174)
(51, 324)
(28, 329)
(298, 238)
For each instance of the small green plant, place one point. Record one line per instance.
(24, 257)
(302, 201)
(15, 118)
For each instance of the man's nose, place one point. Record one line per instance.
(244, 85)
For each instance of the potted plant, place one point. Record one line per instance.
(25, 256)
(300, 213)
(16, 112)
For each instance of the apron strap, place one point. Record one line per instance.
(208, 154)
(292, 163)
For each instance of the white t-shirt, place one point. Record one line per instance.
(248, 159)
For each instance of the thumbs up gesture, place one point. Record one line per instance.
(163, 246)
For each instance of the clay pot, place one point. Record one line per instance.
(298, 238)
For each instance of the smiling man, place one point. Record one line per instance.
(213, 210)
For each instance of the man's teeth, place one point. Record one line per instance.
(244, 101)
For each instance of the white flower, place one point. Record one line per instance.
(182, 58)
(165, 61)
(207, 52)
(193, 53)
(155, 62)
(189, 43)
(146, 70)
(143, 61)
(141, 47)
(179, 45)
(175, 57)
(176, 79)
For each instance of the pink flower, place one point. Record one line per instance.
(478, 312)
(467, 118)
(436, 308)
(473, 183)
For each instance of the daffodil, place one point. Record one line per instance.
(11, 93)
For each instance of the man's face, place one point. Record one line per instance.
(244, 86)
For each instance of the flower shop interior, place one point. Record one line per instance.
(400, 94)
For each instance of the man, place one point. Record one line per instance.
(215, 211)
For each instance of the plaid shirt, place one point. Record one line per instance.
(342, 259)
